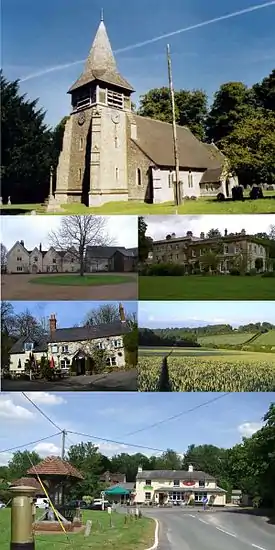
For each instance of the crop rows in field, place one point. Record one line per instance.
(220, 339)
(215, 374)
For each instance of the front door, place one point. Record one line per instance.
(161, 499)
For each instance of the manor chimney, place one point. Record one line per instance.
(190, 468)
(173, 235)
(225, 232)
(40, 247)
(22, 242)
(52, 323)
(122, 313)
(189, 234)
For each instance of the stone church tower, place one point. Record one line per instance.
(92, 166)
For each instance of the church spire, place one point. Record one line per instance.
(101, 64)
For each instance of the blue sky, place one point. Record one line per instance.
(41, 35)
(115, 417)
(180, 314)
(68, 314)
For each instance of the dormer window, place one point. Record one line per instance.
(114, 99)
(148, 482)
(28, 347)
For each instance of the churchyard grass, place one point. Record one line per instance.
(86, 280)
(222, 372)
(198, 287)
(200, 206)
(134, 535)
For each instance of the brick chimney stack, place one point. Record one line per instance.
(52, 323)
(225, 232)
(40, 247)
(122, 313)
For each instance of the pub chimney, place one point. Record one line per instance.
(52, 323)
(190, 468)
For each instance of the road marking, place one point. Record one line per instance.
(191, 516)
(156, 538)
(202, 520)
(256, 546)
(226, 532)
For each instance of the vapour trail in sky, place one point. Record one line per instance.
(156, 39)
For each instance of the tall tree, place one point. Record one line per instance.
(233, 102)
(25, 324)
(265, 92)
(26, 146)
(107, 313)
(87, 458)
(21, 462)
(190, 107)
(3, 257)
(145, 244)
(250, 148)
(76, 233)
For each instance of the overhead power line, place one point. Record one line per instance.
(30, 443)
(41, 412)
(122, 443)
(178, 415)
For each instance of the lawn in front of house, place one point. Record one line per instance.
(86, 280)
(134, 535)
(203, 205)
(198, 287)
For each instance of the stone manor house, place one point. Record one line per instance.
(72, 348)
(188, 250)
(98, 258)
(111, 154)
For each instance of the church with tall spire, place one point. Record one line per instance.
(111, 154)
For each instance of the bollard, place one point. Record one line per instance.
(22, 537)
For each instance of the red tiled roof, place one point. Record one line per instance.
(29, 482)
(54, 466)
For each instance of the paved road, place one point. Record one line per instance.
(221, 530)
(116, 381)
(18, 287)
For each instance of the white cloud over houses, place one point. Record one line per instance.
(160, 226)
(47, 449)
(247, 429)
(10, 411)
(35, 230)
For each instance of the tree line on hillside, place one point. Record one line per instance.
(241, 121)
(15, 325)
(188, 336)
(248, 466)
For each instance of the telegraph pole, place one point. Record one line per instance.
(176, 151)
(64, 433)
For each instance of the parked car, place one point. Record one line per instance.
(98, 504)
(78, 504)
(42, 503)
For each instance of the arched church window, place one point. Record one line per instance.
(81, 144)
(190, 179)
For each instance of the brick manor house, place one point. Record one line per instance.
(188, 250)
(109, 153)
(98, 258)
(72, 348)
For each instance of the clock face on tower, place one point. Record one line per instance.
(115, 118)
(81, 118)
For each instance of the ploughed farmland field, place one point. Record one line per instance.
(208, 370)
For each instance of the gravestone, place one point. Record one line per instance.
(9, 200)
(88, 528)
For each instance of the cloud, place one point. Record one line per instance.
(112, 448)
(10, 411)
(44, 398)
(47, 449)
(247, 429)
(5, 458)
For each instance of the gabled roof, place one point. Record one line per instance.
(53, 465)
(29, 482)
(129, 252)
(38, 345)
(102, 251)
(173, 474)
(101, 64)
(212, 175)
(155, 139)
(78, 334)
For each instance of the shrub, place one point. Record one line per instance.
(268, 274)
(234, 271)
(166, 269)
(186, 198)
(270, 188)
(253, 271)
(197, 271)
(193, 198)
(247, 273)
(256, 193)
(220, 197)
